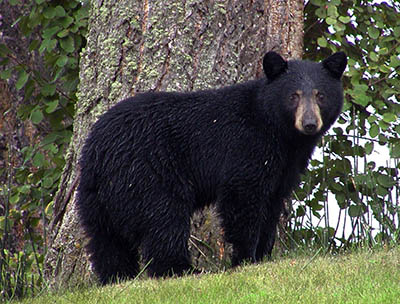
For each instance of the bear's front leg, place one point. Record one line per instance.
(268, 228)
(241, 220)
(267, 238)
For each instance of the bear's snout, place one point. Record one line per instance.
(308, 118)
(310, 127)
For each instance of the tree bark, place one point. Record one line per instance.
(136, 46)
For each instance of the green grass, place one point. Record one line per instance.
(363, 277)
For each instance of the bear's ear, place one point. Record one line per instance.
(336, 64)
(274, 65)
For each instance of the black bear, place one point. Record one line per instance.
(153, 159)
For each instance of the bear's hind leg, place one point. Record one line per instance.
(165, 245)
(173, 262)
(112, 258)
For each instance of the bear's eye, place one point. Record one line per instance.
(320, 97)
(294, 98)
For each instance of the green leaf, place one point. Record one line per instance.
(396, 31)
(68, 44)
(374, 130)
(383, 51)
(34, 45)
(47, 182)
(14, 198)
(389, 117)
(383, 125)
(62, 61)
(29, 89)
(66, 21)
(51, 106)
(52, 44)
(322, 42)
(360, 88)
(362, 99)
(344, 19)
(395, 150)
(38, 160)
(360, 94)
(52, 137)
(52, 148)
(384, 69)
(36, 116)
(24, 111)
(34, 20)
(50, 32)
(332, 11)
(6, 74)
(82, 13)
(4, 50)
(339, 26)
(25, 189)
(355, 210)
(49, 208)
(333, 185)
(330, 20)
(47, 44)
(60, 11)
(369, 147)
(394, 61)
(320, 13)
(63, 33)
(48, 89)
(49, 12)
(382, 139)
(373, 32)
(22, 79)
(386, 181)
(34, 222)
(373, 56)
(318, 2)
(372, 119)
(4, 61)
(341, 200)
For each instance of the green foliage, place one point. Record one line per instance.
(359, 164)
(56, 32)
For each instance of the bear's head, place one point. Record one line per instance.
(307, 94)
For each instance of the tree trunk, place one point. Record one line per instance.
(136, 46)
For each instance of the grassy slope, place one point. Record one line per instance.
(366, 277)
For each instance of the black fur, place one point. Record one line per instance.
(152, 160)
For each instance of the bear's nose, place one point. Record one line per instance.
(310, 128)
